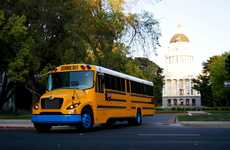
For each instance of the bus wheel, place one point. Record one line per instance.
(86, 119)
(42, 127)
(138, 118)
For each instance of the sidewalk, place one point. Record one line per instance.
(15, 123)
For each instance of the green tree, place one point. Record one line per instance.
(20, 69)
(16, 57)
(203, 85)
(36, 36)
(211, 82)
(133, 68)
(218, 75)
(12, 34)
(152, 72)
(158, 82)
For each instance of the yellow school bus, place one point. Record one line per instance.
(88, 95)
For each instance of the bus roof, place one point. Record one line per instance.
(122, 75)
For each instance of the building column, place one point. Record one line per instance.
(198, 102)
(190, 86)
(170, 89)
(174, 87)
(184, 87)
(164, 102)
(177, 88)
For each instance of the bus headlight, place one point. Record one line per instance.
(72, 106)
(36, 107)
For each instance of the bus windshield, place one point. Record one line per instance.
(71, 80)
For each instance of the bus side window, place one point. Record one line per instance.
(128, 86)
(100, 83)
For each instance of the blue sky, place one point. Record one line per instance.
(205, 22)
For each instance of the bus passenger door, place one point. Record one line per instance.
(100, 98)
(128, 97)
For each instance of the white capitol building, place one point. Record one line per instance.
(179, 72)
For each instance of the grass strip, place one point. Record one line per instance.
(216, 116)
(14, 116)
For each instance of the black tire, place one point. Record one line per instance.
(42, 127)
(86, 119)
(138, 118)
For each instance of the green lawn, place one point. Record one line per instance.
(13, 116)
(215, 116)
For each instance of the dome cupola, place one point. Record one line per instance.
(179, 37)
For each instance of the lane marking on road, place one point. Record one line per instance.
(149, 134)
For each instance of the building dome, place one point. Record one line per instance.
(179, 37)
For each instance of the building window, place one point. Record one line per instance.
(175, 102)
(169, 102)
(181, 92)
(181, 87)
(193, 102)
(187, 102)
(191, 90)
(187, 87)
(181, 102)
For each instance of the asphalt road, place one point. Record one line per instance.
(155, 133)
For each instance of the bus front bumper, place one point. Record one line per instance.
(56, 119)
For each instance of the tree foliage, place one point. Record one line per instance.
(211, 82)
(12, 36)
(152, 72)
(202, 84)
(36, 36)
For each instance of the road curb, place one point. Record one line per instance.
(15, 123)
(15, 127)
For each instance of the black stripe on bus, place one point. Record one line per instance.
(141, 102)
(151, 108)
(133, 107)
(51, 113)
(148, 115)
(117, 100)
(116, 92)
(140, 95)
(115, 107)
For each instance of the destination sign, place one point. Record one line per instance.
(64, 68)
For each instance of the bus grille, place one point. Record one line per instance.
(54, 103)
(51, 113)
